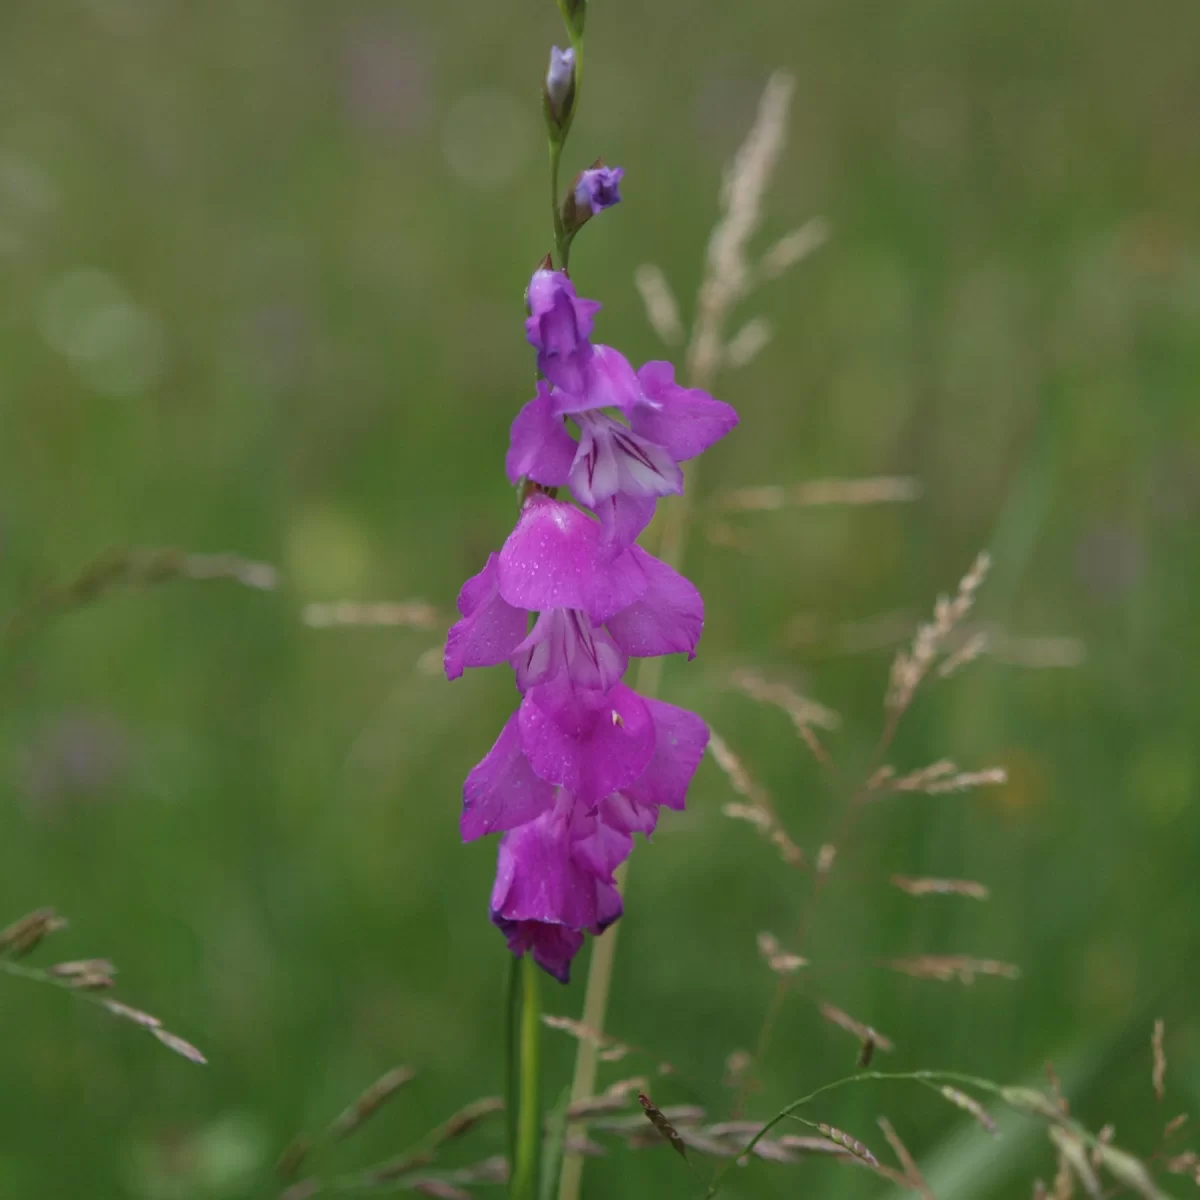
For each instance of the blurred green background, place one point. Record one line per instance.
(261, 269)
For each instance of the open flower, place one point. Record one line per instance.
(618, 468)
(554, 881)
(554, 876)
(596, 609)
(654, 750)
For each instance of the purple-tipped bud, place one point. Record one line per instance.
(598, 188)
(560, 85)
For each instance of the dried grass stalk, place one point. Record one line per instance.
(969, 651)
(397, 1168)
(970, 1105)
(1173, 1126)
(727, 275)
(813, 1145)
(179, 1046)
(793, 247)
(922, 886)
(1128, 1171)
(580, 1031)
(489, 1170)
(819, 493)
(802, 711)
(758, 811)
(841, 1138)
(951, 967)
(82, 967)
(662, 1123)
(748, 343)
(910, 667)
(1073, 1154)
(580, 1143)
(844, 1020)
(596, 1106)
(465, 1120)
(369, 1103)
(662, 309)
(1103, 1138)
(26, 934)
(293, 1157)
(912, 1173)
(1183, 1164)
(937, 779)
(677, 1114)
(1159, 1072)
(1030, 1100)
(965, 781)
(439, 1189)
(408, 614)
(777, 958)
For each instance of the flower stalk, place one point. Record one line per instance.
(585, 762)
(527, 1149)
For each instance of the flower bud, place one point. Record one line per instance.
(593, 191)
(559, 94)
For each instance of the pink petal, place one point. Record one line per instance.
(564, 642)
(624, 517)
(557, 558)
(667, 619)
(681, 739)
(605, 756)
(502, 792)
(684, 420)
(619, 812)
(552, 946)
(490, 628)
(612, 458)
(538, 877)
(608, 382)
(540, 448)
(603, 850)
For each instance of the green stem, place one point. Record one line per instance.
(562, 239)
(560, 233)
(529, 1114)
(512, 1089)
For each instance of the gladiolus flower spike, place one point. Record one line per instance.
(585, 762)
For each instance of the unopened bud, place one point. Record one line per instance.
(593, 191)
(559, 94)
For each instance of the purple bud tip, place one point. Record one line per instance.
(560, 77)
(598, 188)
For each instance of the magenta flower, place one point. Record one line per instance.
(558, 327)
(596, 609)
(554, 879)
(618, 470)
(517, 780)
